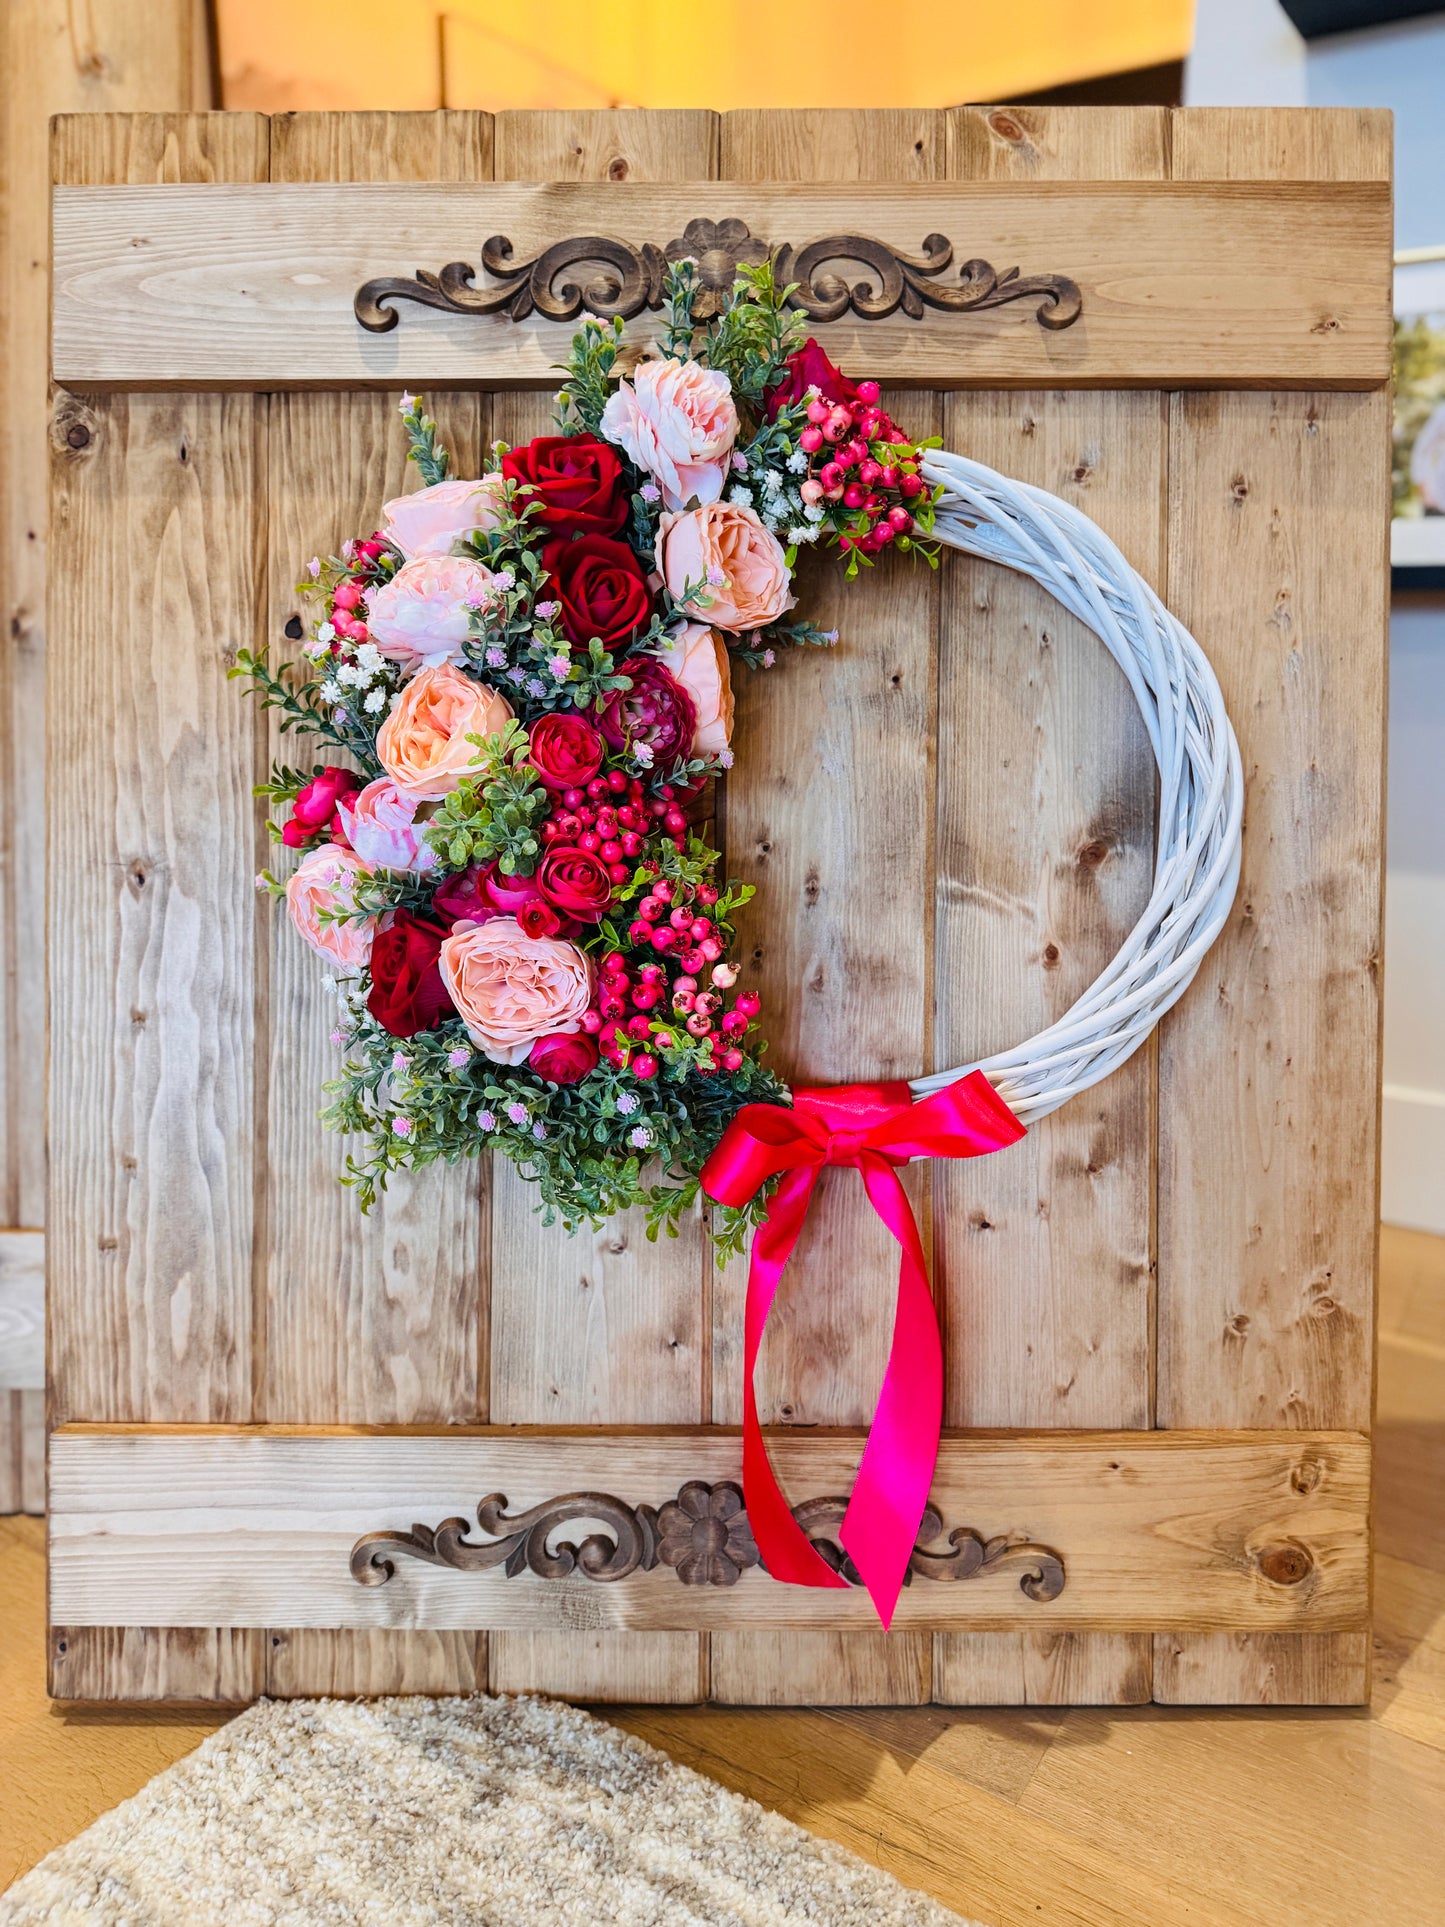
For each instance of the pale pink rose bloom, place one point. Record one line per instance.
(424, 743)
(698, 658)
(677, 421)
(1427, 462)
(325, 880)
(381, 826)
(433, 520)
(740, 563)
(511, 989)
(420, 618)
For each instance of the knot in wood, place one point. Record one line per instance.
(1285, 1565)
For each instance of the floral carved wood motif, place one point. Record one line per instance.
(702, 1535)
(625, 279)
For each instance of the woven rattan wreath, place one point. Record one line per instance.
(529, 675)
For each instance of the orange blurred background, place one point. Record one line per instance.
(283, 54)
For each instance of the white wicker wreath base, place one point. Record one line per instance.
(1201, 781)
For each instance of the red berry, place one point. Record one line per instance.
(855, 495)
(732, 1060)
(597, 787)
(632, 844)
(639, 932)
(675, 821)
(650, 908)
(639, 1026)
(591, 1022)
(680, 918)
(619, 873)
(574, 799)
(868, 391)
(617, 781)
(645, 996)
(644, 1065)
(748, 1002)
(734, 1023)
(811, 440)
(706, 894)
(900, 520)
(611, 852)
(615, 964)
(663, 938)
(910, 486)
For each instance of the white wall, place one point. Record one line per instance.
(1247, 53)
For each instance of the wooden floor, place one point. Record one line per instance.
(1148, 1817)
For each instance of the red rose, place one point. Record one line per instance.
(808, 367)
(564, 1059)
(575, 881)
(407, 993)
(314, 811)
(657, 710)
(564, 750)
(537, 918)
(578, 481)
(601, 588)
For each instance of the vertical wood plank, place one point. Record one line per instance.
(117, 54)
(22, 1450)
(838, 938)
(158, 543)
(604, 1328)
(1268, 1148)
(380, 1319)
(1044, 1255)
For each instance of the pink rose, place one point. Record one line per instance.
(741, 565)
(1427, 461)
(677, 421)
(325, 882)
(698, 659)
(511, 989)
(425, 743)
(433, 520)
(380, 825)
(421, 617)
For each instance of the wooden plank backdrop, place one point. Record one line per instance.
(949, 820)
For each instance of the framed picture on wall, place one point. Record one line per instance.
(1417, 533)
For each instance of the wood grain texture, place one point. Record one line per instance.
(22, 1451)
(602, 1328)
(304, 1662)
(1045, 1256)
(178, 1664)
(22, 1311)
(115, 54)
(837, 939)
(638, 1669)
(1058, 144)
(788, 1668)
(1197, 284)
(602, 144)
(1277, 523)
(245, 1527)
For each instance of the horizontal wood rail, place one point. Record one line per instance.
(1200, 284)
(259, 1527)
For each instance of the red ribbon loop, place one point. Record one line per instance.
(876, 1128)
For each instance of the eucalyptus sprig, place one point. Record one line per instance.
(425, 450)
(495, 814)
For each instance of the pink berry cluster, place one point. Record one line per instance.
(640, 1008)
(611, 818)
(870, 471)
(348, 599)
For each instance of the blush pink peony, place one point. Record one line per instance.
(380, 825)
(323, 884)
(421, 617)
(698, 659)
(511, 989)
(423, 744)
(676, 419)
(433, 520)
(738, 563)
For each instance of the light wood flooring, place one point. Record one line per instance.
(1146, 1817)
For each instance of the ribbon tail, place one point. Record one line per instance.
(787, 1551)
(890, 1494)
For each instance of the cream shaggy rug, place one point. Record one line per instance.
(460, 1812)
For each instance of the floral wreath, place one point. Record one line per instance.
(529, 674)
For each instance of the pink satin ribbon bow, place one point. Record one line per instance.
(876, 1128)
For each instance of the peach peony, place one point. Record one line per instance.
(420, 618)
(698, 659)
(325, 880)
(511, 989)
(741, 565)
(677, 421)
(423, 743)
(433, 520)
(380, 825)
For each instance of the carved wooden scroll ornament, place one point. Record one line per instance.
(702, 1535)
(625, 279)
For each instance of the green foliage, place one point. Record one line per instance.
(425, 450)
(754, 333)
(300, 706)
(495, 814)
(588, 371)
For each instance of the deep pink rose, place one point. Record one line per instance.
(808, 367)
(564, 1059)
(314, 811)
(657, 711)
(481, 891)
(575, 881)
(565, 751)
